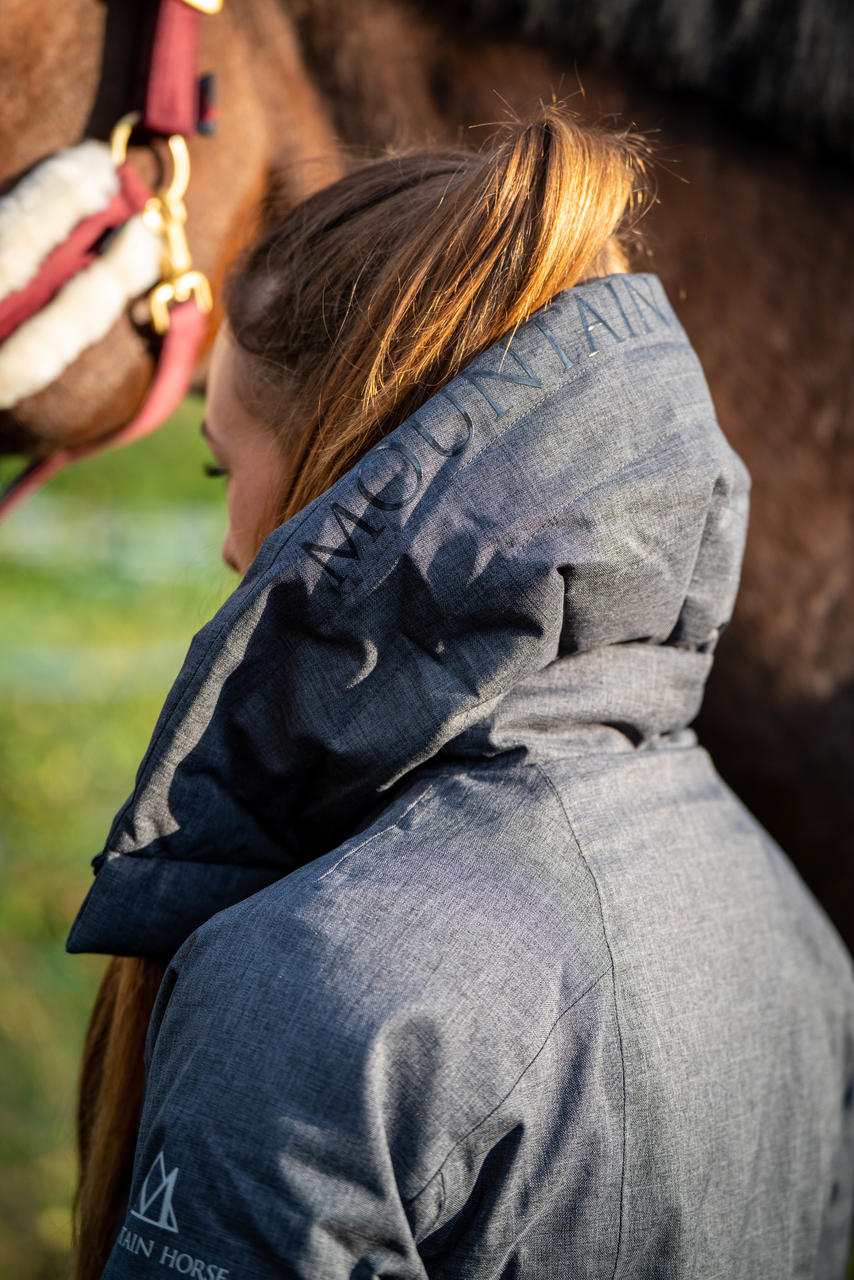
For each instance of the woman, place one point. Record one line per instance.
(473, 965)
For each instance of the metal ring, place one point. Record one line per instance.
(178, 149)
(120, 137)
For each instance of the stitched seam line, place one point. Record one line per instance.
(152, 859)
(442, 1197)
(558, 798)
(420, 799)
(511, 1090)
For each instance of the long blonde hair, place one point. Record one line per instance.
(348, 314)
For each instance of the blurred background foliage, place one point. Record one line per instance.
(104, 578)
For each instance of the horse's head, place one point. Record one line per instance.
(68, 74)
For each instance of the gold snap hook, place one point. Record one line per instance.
(166, 214)
(192, 284)
(158, 300)
(180, 153)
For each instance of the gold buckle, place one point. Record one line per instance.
(166, 214)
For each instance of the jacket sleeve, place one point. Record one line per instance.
(274, 1127)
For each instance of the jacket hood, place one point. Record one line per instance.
(540, 560)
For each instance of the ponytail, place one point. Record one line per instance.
(371, 296)
(355, 308)
(109, 1103)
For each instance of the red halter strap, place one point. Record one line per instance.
(171, 94)
(171, 105)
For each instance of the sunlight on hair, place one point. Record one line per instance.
(379, 289)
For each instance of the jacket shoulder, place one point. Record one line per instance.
(469, 889)
(435, 955)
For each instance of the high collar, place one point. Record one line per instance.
(541, 559)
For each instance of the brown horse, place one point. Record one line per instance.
(752, 241)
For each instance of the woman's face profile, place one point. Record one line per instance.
(245, 451)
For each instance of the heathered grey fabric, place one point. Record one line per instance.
(479, 969)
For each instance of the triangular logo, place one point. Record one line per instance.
(155, 1198)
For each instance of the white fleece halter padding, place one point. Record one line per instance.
(83, 311)
(38, 213)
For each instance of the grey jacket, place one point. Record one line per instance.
(478, 968)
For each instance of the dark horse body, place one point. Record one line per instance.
(752, 241)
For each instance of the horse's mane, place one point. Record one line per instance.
(787, 65)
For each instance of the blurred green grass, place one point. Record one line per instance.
(104, 578)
